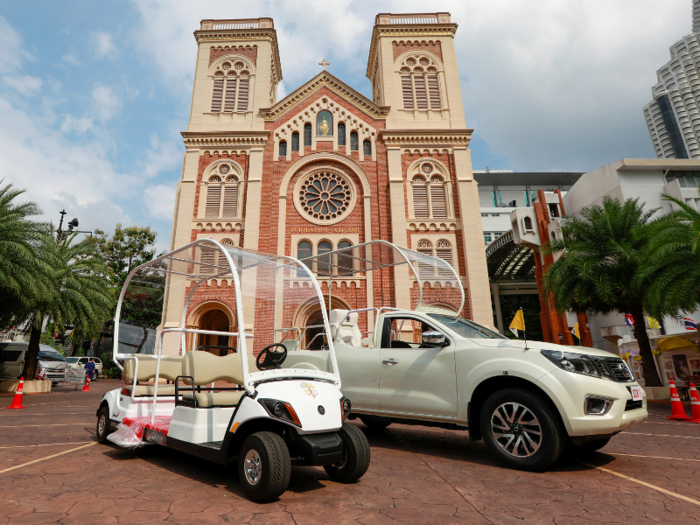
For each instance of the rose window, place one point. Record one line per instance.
(325, 196)
(224, 169)
(427, 169)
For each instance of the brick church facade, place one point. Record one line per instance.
(327, 168)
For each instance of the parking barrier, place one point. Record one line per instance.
(677, 410)
(695, 403)
(17, 400)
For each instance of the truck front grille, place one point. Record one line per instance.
(614, 369)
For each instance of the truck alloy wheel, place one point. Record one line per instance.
(522, 429)
(264, 466)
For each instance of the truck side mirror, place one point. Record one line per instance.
(435, 339)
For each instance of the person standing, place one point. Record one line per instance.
(90, 369)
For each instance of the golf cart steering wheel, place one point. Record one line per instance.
(268, 359)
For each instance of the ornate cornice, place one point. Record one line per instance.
(426, 137)
(403, 31)
(226, 139)
(325, 79)
(235, 35)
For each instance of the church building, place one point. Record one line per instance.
(327, 168)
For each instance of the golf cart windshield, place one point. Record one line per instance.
(220, 299)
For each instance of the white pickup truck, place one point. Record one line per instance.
(432, 367)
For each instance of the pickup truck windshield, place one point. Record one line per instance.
(467, 329)
(47, 355)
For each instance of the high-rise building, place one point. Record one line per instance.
(673, 116)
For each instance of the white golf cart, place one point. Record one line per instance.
(236, 394)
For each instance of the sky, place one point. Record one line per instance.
(94, 94)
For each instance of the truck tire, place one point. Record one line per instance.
(587, 448)
(522, 429)
(102, 430)
(375, 423)
(356, 456)
(264, 466)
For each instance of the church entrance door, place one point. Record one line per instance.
(215, 320)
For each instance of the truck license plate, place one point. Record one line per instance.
(636, 393)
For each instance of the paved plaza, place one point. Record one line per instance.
(52, 471)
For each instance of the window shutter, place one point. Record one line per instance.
(444, 251)
(407, 92)
(438, 200)
(230, 101)
(425, 270)
(243, 94)
(420, 200)
(207, 257)
(231, 200)
(213, 199)
(218, 94)
(434, 89)
(421, 96)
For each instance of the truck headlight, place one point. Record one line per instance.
(571, 362)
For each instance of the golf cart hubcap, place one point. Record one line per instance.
(516, 429)
(102, 424)
(252, 467)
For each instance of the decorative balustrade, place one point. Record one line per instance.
(232, 24)
(414, 19)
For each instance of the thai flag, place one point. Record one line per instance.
(628, 319)
(690, 324)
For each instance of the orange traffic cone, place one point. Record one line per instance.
(677, 410)
(17, 401)
(695, 403)
(86, 388)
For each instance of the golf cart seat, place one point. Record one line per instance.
(346, 329)
(170, 367)
(201, 368)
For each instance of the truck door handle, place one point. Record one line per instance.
(391, 361)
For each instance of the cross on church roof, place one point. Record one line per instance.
(324, 63)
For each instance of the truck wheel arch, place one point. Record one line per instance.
(491, 385)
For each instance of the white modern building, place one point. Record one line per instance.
(673, 116)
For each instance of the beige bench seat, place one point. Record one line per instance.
(205, 369)
(170, 368)
(148, 390)
(213, 399)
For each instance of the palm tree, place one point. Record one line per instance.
(672, 262)
(81, 293)
(22, 275)
(598, 269)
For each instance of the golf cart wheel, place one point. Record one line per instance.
(522, 429)
(355, 460)
(375, 424)
(102, 430)
(587, 448)
(264, 467)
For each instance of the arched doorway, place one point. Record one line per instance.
(216, 320)
(310, 319)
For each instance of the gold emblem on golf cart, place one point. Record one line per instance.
(309, 389)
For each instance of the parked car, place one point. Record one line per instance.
(79, 363)
(51, 361)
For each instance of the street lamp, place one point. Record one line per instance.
(561, 338)
(61, 233)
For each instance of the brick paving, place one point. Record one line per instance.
(417, 475)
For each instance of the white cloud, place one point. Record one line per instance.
(11, 52)
(105, 102)
(162, 156)
(79, 124)
(159, 201)
(103, 43)
(24, 84)
(70, 59)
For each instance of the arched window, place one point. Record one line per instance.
(324, 261)
(426, 248)
(231, 87)
(354, 142)
(304, 250)
(443, 250)
(283, 148)
(345, 260)
(325, 124)
(429, 193)
(341, 134)
(222, 193)
(527, 224)
(307, 134)
(419, 84)
(367, 148)
(295, 141)
(207, 258)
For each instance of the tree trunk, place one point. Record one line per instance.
(31, 358)
(651, 375)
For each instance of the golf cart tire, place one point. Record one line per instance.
(275, 466)
(375, 423)
(102, 435)
(552, 434)
(357, 456)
